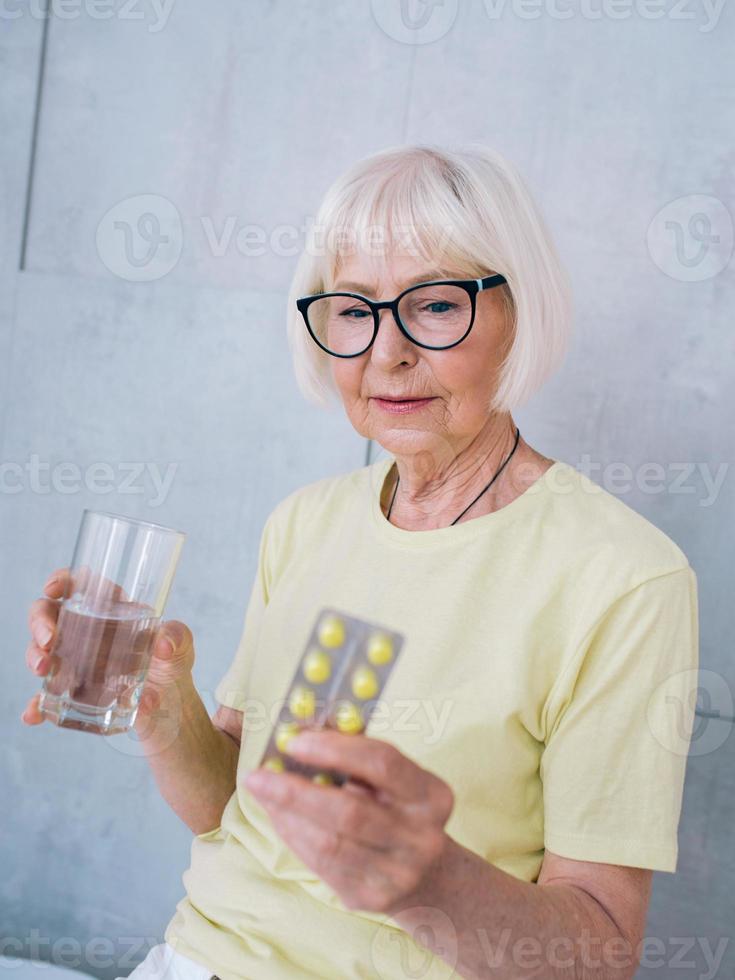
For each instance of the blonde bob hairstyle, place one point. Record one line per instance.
(458, 209)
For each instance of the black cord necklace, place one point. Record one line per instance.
(518, 434)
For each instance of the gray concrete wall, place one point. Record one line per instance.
(620, 116)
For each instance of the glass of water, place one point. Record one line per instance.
(121, 575)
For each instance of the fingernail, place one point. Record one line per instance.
(166, 644)
(43, 635)
(54, 580)
(38, 661)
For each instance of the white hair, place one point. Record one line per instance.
(465, 208)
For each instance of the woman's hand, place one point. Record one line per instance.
(375, 842)
(170, 661)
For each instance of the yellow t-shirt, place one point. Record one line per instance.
(546, 675)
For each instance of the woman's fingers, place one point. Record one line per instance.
(370, 760)
(362, 874)
(44, 611)
(31, 714)
(97, 586)
(59, 584)
(37, 659)
(393, 776)
(352, 816)
(43, 614)
(42, 617)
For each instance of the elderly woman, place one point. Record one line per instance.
(505, 812)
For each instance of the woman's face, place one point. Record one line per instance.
(459, 381)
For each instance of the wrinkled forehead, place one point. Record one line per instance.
(384, 270)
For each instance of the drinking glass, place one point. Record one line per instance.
(120, 578)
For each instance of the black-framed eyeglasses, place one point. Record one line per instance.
(435, 315)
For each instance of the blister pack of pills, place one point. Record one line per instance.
(341, 673)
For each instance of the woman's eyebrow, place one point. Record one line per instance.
(359, 287)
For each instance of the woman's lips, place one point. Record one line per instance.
(400, 408)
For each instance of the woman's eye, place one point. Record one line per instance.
(447, 306)
(360, 313)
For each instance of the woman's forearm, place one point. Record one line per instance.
(194, 762)
(487, 923)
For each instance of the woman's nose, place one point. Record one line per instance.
(390, 338)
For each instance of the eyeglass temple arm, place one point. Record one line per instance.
(489, 281)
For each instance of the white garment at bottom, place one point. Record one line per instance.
(163, 962)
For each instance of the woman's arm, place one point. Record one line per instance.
(194, 761)
(499, 926)
(381, 845)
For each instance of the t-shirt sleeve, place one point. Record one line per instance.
(618, 728)
(232, 689)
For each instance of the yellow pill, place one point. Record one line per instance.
(274, 764)
(284, 733)
(349, 718)
(322, 779)
(331, 632)
(301, 702)
(380, 649)
(317, 666)
(364, 683)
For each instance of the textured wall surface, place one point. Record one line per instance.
(160, 350)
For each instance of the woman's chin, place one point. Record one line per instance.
(401, 439)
